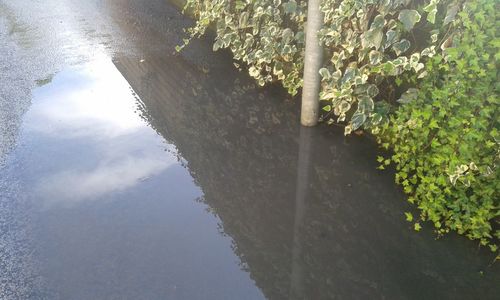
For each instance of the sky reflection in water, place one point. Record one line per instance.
(95, 108)
(117, 214)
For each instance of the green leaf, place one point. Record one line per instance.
(431, 10)
(253, 71)
(401, 46)
(357, 120)
(372, 38)
(391, 37)
(450, 14)
(410, 95)
(325, 73)
(429, 51)
(388, 67)
(372, 90)
(365, 104)
(336, 75)
(243, 21)
(376, 118)
(375, 57)
(409, 217)
(378, 22)
(417, 226)
(431, 16)
(217, 45)
(409, 17)
(290, 7)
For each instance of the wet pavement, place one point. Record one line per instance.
(128, 171)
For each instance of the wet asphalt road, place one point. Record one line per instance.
(130, 172)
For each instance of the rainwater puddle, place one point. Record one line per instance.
(145, 178)
(115, 212)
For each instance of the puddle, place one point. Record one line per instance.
(308, 212)
(160, 176)
(146, 179)
(116, 213)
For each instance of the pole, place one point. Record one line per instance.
(312, 63)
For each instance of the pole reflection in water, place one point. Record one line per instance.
(317, 226)
(301, 196)
(98, 203)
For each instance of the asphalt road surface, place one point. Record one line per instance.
(129, 171)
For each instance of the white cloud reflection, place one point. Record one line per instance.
(72, 186)
(86, 120)
(96, 94)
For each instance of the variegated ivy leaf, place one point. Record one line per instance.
(450, 13)
(431, 16)
(375, 57)
(243, 19)
(372, 90)
(357, 120)
(336, 75)
(408, 96)
(418, 67)
(347, 129)
(372, 38)
(365, 103)
(240, 4)
(360, 89)
(217, 45)
(253, 71)
(401, 46)
(350, 73)
(414, 58)
(376, 118)
(338, 59)
(287, 49)
(409, 17)
(290, 7)
(400, 61)
(287, 35)
(391, 37)
(422, 75)
(434, 37)
(344, 107)
(431, 10)
(325, 74)
(389, 68)
(378, 22)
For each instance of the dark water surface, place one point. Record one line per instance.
(143, 174)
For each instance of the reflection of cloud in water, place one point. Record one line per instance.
(97, 95)
(86, 118)
(73, 186)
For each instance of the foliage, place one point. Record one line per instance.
(368, 44)
(267, 35)
(446, 140)
(389, 68)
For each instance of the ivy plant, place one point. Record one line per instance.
(266, 35)
(421, 75)
(369, 43)
(445, 139)
(374, 47)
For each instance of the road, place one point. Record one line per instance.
(129, 171)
